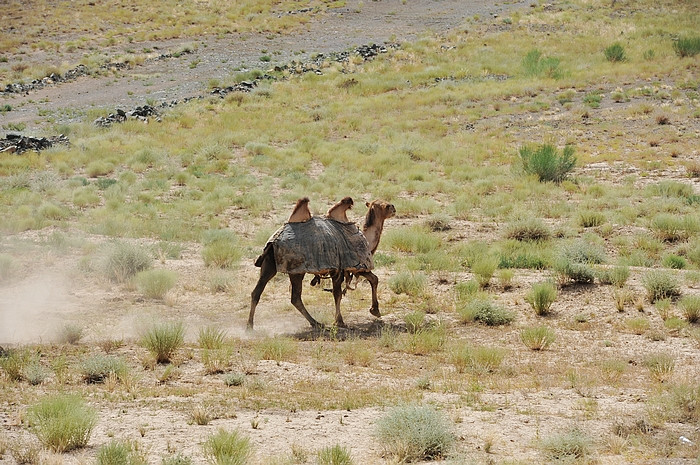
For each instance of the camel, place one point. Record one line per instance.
(339, 211)
(301, 212)
(350, 245)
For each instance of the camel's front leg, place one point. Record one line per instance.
(338, 278)
(373, 282)
(297, 280)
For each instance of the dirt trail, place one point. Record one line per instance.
(339, 29)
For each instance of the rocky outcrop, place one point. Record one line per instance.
(16, 143)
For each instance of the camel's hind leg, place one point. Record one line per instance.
(268, 270)
(297, 281)
(338, 278)
(373, 282)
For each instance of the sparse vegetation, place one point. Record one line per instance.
(537, 337)
(547, 163)
(410, 433)
(163, 339)
(62, 422)
(571, 445)
(660, 284)
(334, 455)
(690, 306)
(123, 260)
(227, 448)
(541, 297)
(155, 284)
(434, 126)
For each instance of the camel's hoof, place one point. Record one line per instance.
(375, 312)
(341, 324)
(249, 329)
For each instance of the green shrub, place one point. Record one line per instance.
(155, 284)
(62, 422)
(615, 53)
(97, 368)
(483, 268)
(234, 379)
(690, 306)
(687, 46)
(70, 334)
(673, 228)
(120, 453)
(591, 219)
(427, 340)
(537, 337)
(660, 285)
(415, 321)
(485, 311)
(221, 248)
(15, 362)
(228, 448)
(416, 239)
(414, 433)
(162, 340)
(480, 359)
(276, 348)
(583, 251)
(175, 459)
(334, 455)
(660, 365)
(617, 275)
(530, 229)
(534, 65)
(123, 261)
(541, 297)
(211, 337)
(567, 446)
(528, 255)
(546, 163)
(674, 261)
(592, 99)
(409, 283)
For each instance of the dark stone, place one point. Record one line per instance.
(17, 143)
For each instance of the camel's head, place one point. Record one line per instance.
(379, 210)
(347, 201)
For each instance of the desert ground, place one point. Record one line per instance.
(618, 384)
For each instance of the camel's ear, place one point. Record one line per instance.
(367, 204)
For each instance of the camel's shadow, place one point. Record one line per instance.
(371, 329)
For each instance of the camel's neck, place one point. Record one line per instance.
(373, 233)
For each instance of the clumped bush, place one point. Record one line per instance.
(537, 337)
(211, 337)
(409, 283)
(123, 260)
(70, 334)
(660, 284)
(483, 268)
(615, 53)
(234, 379)
(15, 362)
(155, 284)
(673, 228)
(480, 359)
(690, 306)
(413, 433)
(546, 163)
(590, 219)
(221, 248)
(530, 229)
(674, 261)
(567, 446)
(62, 422)
(227, 448)
(687, 46)
(334, 455)
(176, 459)
(541, 297)
(485, 311)
(583, 251)
(162, 340)
(617, 275)
(98, 368)
(660, 365)
(535, 65)
(120, 453)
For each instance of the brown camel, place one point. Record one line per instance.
(342, 244)
(339, 211)
(301, 212)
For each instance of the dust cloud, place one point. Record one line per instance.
(32, 310)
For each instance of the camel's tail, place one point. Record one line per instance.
(268, 249)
